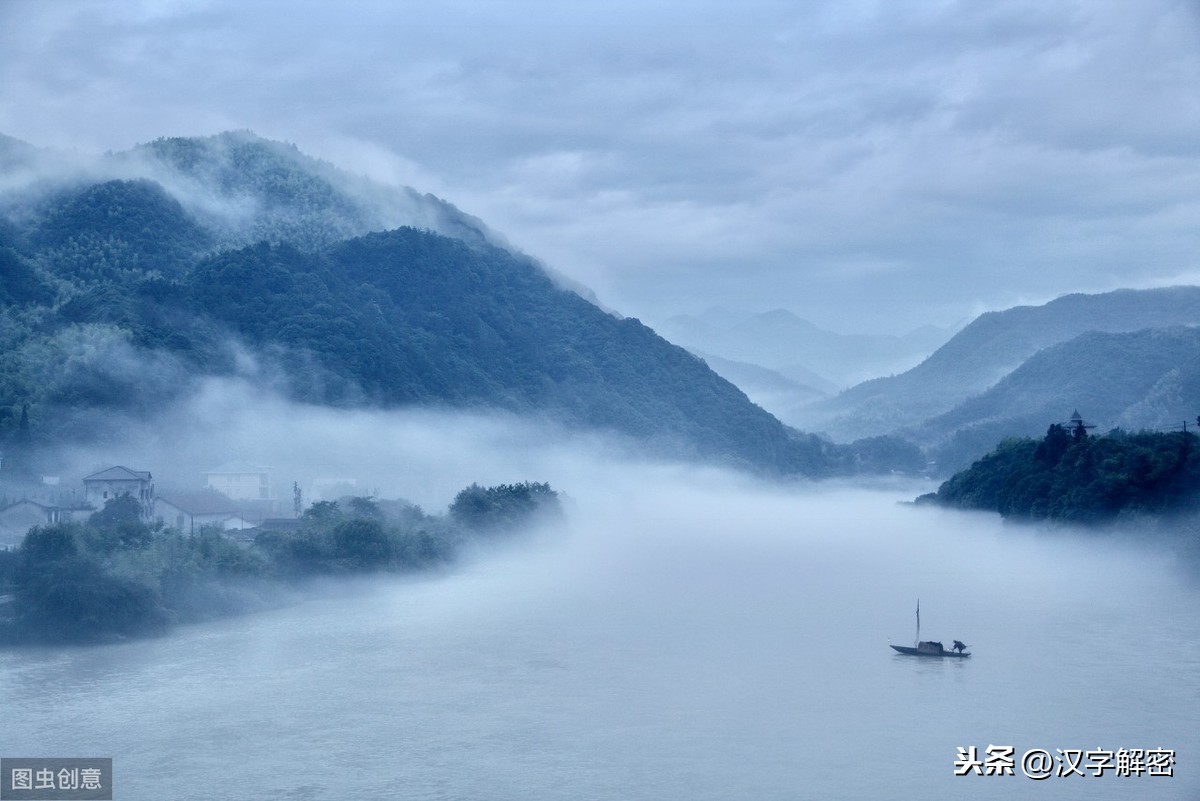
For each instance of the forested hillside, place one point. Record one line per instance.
(1072, 477)
(118, 295)
(1148, 378)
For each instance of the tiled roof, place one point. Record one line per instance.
(208, 502)
(39, 504)
(120, 473)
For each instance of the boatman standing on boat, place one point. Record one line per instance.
(958, 646)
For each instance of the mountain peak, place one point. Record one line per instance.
(991, 347)
(781, 315)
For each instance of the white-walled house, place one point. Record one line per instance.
(190, 511)
(100, 488)
(17, 518)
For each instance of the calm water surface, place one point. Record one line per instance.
(709, 642)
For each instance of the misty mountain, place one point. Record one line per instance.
(252, 189)
(1144, 379)
(754, 379)
(768, 388)
(407, 317)
(799, 349)
(240, 187)
(15, 154)
(989, 348)
(122, 293)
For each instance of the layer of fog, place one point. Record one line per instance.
(421, 455)
(739, 632)
(686, 632)
(610, 484)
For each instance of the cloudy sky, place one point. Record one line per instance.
(872, 166)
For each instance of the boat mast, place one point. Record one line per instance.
(918, 642)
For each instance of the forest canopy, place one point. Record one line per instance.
(1077, 478)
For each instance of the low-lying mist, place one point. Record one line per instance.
(424, 456)
(688, 529)
(685, 632)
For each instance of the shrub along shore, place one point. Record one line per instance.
(116, 576)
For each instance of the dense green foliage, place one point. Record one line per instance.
(360, 538)
(20, 283)
(503, 506)
(103, 230)
(64, 592)
(116, 576)
(1081, 479)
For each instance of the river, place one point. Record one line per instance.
(690, 639)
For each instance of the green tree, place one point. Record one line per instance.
(1051, 449)
(361, 543)
(503, 506)
(63, 593)
(1089, 479)
(118, 525)
(77, 600)
(323, 512)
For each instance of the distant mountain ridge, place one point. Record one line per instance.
(988, 349)
(799, 349)
(766, 387)
(1148, 379)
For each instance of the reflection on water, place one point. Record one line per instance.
(676, 643)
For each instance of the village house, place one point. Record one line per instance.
(17, 518)
(100, 488)
(190, 511)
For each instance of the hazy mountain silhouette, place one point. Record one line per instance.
(990, 348)
(137, 274)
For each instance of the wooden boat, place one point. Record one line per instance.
(930, 648)
(934, 649)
